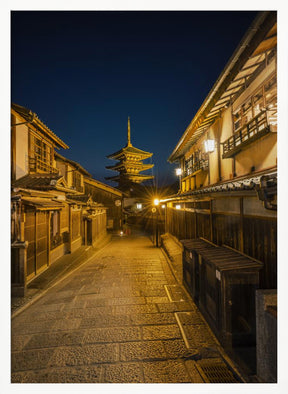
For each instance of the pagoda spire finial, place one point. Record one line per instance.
(129, 133)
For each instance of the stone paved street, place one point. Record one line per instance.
(120, 318)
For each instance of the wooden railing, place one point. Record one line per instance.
(37, 165)
(254, 129)
(197, 166)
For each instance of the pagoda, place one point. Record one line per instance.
(129, 164)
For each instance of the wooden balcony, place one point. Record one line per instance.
(253, 130)
(200, 165)
(37, 165)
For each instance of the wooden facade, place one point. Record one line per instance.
(49, 209)
(227, 158)
(256, 237)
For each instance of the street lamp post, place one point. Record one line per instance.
(156, 203)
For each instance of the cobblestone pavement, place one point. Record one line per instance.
(120, 318)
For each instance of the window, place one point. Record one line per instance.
(77, 181)
(270, 93)
(197, 161)
(40, 153)
(265, 99)
(258, 102)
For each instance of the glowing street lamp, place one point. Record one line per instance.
(156, 201)
(209, 146)
(178, 171)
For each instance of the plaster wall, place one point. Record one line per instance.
(252, 206)
(226, 132)
(261, 155)
(22, 165)
(61, 166)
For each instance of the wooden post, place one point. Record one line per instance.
(35, 260)
(48, 238)
(211, 222)
(241, 226)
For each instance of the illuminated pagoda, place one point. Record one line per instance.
(130, 164)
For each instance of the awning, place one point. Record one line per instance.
(42, 204)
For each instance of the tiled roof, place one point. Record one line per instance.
(130, 150)
(37, 181)
(248, 183)
(74, 163)
(42, 203)
(30, 116)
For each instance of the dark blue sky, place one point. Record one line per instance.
(85, 72)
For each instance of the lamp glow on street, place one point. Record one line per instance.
(178, 171)
(209, 146)
(139, 206)
(178, 206)
(163, 206)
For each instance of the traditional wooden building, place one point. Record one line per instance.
(110, 197)
(50, 215)
(227, 160)
(130, 164)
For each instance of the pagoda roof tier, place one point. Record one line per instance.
(130, 151)
(130, 165)
(135, 178)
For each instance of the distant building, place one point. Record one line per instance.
(110, 197)
(227, 160)
(130, 164)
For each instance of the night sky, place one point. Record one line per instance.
(85, 72)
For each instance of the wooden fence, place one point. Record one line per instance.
(254, 236)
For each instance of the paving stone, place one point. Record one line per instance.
(116, 334)
(157, 300)
(148, 350)
(170, 371)
(123, 373)
(89, 290)
(48, 308)
(120, 292)
(149, 292)
(126, 301)
(161, 332)
(30, 359)
(32, 327)
(132, 309)
(174, 306)
(49, 315)
(111, 321)
(66, 324)
(167, 307)
(106, 321)
(87, 374)
(175, 348)
(18, 342)
(55, 339)
(56, 299)
(94, 300)
(84, 355)
(153, 318)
